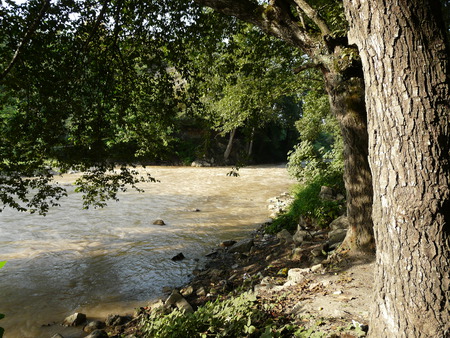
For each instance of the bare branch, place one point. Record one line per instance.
(26, 38)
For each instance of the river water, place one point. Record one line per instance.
(112, 260)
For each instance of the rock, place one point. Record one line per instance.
(316, 268)
(285, 237)
(116, 320)
(175, 299)
(296, 275)
(215, 273)
(317, 252)
(98, 334)
(297, 254)
(300, 236)
(94, 325)
(178, 257)
(339, 223)
(226, 244)
(75, 319)
(187, 291)
(158, 306)
(340, 197)
(159, 222)
(200, 163)
(242, 246)
(211, 254)
(57, 335)
(201, 292)
(336, 236)
(326, 193)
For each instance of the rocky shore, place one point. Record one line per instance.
(298, 274)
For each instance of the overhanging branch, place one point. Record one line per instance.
(26, 38)
(314, 16)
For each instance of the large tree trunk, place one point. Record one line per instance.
(346, 97)
(406, 67)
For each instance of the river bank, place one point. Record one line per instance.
(330, 297)
(112, 260)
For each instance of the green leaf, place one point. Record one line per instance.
(2, 264)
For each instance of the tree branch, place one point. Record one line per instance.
(305, 66)
(274, 19)
(26, 38)
(314, 16)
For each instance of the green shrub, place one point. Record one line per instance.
(233, 317)
(308, 204)
(238, 316)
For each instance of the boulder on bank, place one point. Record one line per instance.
(94, 325)
(75, 319)
(226, 244)
(285, 237)
(336, 236)
(339, 223)
(242, 246)
(98, 334)
(176, 299)
(201, 163)
(326, 193)
(116, 320)
(301, 235)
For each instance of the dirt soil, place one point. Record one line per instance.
(330, 298)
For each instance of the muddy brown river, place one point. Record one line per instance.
(112, 260)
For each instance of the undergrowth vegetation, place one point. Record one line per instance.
(238, 316)
(308, 204)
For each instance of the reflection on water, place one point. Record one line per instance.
(114, 259)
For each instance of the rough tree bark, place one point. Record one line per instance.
(346, 95)
(406, 70)
(344, 84)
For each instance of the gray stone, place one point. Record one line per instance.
(94, 325)
(339, 223)
(300, 236)
(200, 163)
(242, 246)
(336, 236)
(187, 291)
(296, 275)
(285, 237)
(116, 320)
(316, 268)
(201, 292)
(175, 299)
(317, 252)
(326, 193)
(98, 334)
(226, 244)
(75, 319)
(297, 254)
